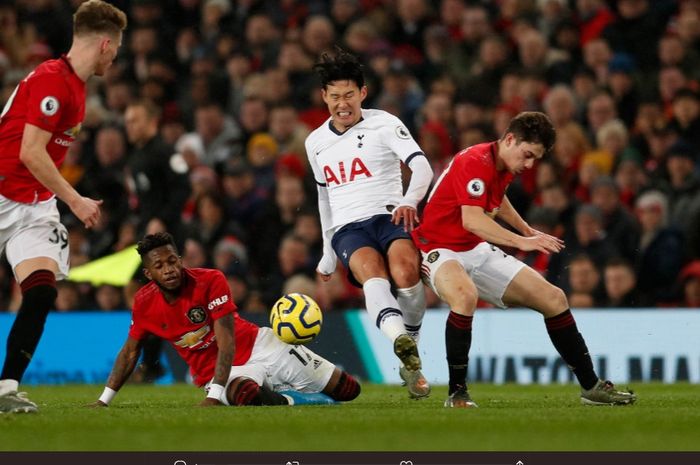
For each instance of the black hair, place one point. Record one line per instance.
(341, 66)
(153, 241)
(533, 127)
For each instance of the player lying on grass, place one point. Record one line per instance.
(237, 362)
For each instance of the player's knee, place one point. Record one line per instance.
(243, 391)
(347, 388)
(463, 299)
(557, 299)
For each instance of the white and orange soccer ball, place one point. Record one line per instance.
(296, 318)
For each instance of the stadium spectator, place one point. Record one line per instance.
(158, 178)
(659, 249)
(461, 264)
(38, 126)
(362, 206)
(620, 285)
(585, 280)
(690, 282)
(620, 226)
(588, 236)
(247, 375)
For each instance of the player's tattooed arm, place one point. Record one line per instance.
(123, 367)
(223, 329)
(125, 363)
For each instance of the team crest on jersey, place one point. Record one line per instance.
(196, 315)
(49, 105)
(433, 256)
(475, 187)
(402, 132)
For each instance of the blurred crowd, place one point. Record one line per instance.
(199, 126)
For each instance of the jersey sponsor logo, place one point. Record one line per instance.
(62, 142)
(433, 256)
(218, 301)
(49, 105)
(193, 338)
(475, 187)
(196, 315)
(402, 133)
(340, 176)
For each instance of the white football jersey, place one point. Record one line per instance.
(361, 168)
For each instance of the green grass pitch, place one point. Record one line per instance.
(510, 418)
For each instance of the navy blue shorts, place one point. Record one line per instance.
(377, 232)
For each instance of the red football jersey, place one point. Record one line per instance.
(470, 179)
(52, 97)
(188, 323)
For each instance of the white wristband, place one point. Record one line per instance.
(215, 391)
(107, 395)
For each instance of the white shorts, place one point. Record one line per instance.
(281, 366)
(490, 268)
(32, 230)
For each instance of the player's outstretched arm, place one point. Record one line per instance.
(34, 156)
(123, 367)
(476, 221)
(510, 215)
(225, 341)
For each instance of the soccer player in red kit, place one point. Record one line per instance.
(237, 362)
(40, 121)
(461, 262)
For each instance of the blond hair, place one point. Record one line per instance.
(97, 16)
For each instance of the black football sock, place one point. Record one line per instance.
(347, 388)
(572, 348)
(458, 340)
(38, 297)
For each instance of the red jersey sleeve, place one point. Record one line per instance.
(47, 96)
(470, 178)
(136, 330)
(220, 302)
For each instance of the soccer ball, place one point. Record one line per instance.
(296, 318)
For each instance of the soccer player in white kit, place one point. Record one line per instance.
(356, 158)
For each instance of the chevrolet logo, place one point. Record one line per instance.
(193, 338)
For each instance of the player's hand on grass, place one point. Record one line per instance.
(407, 215)
(96, 404)
(209, 402)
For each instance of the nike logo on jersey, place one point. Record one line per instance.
(339, 175)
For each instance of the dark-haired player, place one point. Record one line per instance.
(356, 158)
(41, 119)
(458, 238)
(237, 362)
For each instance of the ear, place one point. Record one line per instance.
(104, 44)
(324, 95)
(147, 273)
(363, 93)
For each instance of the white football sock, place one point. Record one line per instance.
(412, 303)
(383, 308)
(8, 385)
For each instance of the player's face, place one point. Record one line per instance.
(109, 46)
(344, 100)
(164, 266)
(520, 156)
